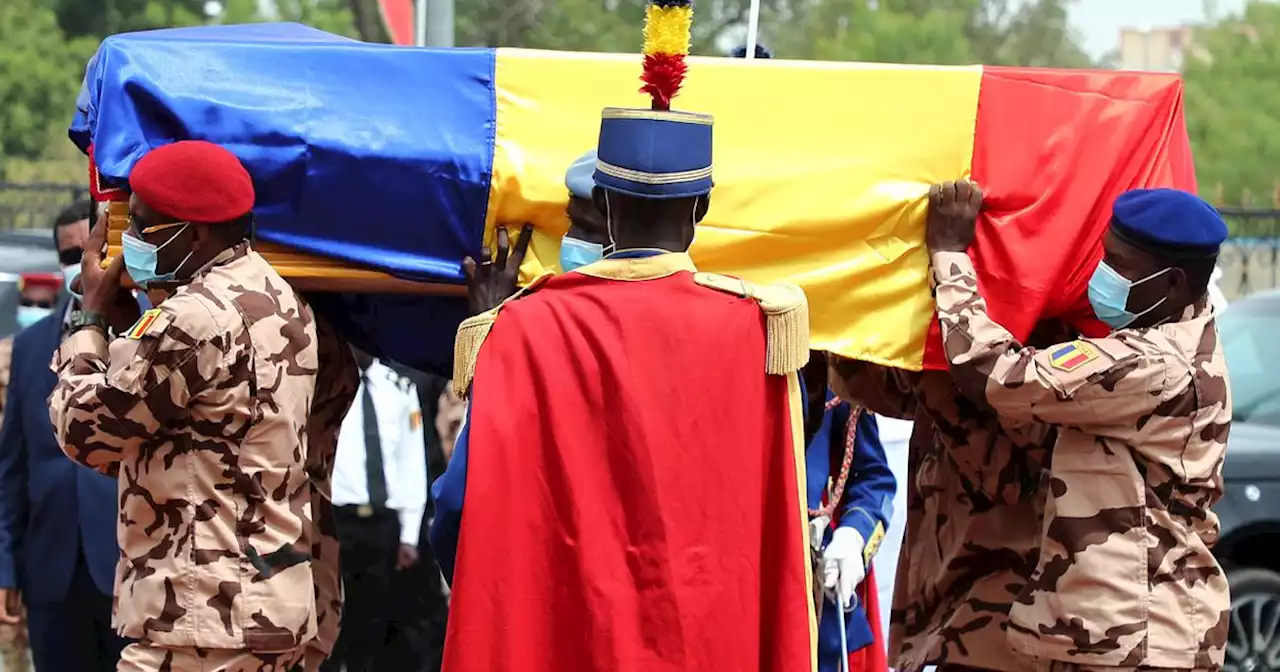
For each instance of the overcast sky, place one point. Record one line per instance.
(1099, 21)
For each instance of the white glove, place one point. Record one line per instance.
(842, 564)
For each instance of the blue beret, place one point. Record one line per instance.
(1168, 221)
(741, 52)
(579, 176)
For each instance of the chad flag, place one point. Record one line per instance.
(822, 172)
(375, 163)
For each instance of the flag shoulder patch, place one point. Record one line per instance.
(144, 323)
(1072, 356)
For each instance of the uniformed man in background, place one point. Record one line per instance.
(379, 493)
(1125, 577)
(201, 409)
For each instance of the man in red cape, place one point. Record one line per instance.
(631, 463)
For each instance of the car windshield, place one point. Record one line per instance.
(1250, 333)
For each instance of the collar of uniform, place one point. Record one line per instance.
(1198, 309)
(640, 268)
(224, 257)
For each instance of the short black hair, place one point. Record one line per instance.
(1199, 270)
(81, 210)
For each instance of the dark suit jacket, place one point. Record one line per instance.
(51, 509)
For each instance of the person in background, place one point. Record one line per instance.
(337, 383)
(420, 607)
(201, 410)
(57, 518)
(587, 240)
(379, 493)
(850, 501)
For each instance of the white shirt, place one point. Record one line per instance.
(403, 452)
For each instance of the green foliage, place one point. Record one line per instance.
(48, 41)
(1232, 95)
(40, 73)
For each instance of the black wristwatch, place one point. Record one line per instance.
(84, 319)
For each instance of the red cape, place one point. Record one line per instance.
(632, 498)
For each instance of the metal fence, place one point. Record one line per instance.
(35, 206)
(1250, 261)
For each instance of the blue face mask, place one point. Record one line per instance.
(575, 253)
(141, 258)
(69, 274)
(29, 315)
(1109, 295)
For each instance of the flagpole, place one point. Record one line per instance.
(420, 23)
(753, 28)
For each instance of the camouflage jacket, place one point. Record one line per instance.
(201, 410)
(973, 519)
(1125, 576)
(337, 383)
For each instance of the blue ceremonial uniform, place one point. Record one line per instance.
(866, 505)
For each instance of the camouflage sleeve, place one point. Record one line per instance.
(880, 389)
(1095, 383)
(111, 398)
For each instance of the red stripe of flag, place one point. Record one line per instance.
(1052, 150)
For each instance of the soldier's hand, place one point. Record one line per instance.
(406, 556)
(10, 606)
(953, 215)
(491, 281)
(103, 289)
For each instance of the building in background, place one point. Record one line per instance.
(1157, 49)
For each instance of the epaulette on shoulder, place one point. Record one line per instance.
(471, 335)
(786, 313)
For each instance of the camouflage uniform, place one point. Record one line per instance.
(973, 516)
(201, 410)
(1125, 577)
(337, 384)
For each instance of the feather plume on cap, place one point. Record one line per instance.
(667, 25)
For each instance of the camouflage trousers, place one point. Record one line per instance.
(150, 658)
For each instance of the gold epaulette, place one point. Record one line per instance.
(786, 313)
(471, 335)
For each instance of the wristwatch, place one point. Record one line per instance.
(83, 319)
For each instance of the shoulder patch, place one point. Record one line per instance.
(144, 324)
(415, 419)
(725, 283)
(1073, 355)
(786, 313)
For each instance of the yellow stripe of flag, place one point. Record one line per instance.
(846, 183)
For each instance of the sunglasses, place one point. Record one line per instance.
(139, 228)
(37, 304)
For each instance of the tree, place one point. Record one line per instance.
(1232, 93)
(40, 74)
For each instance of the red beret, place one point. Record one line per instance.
(47, 280)
(193, 181)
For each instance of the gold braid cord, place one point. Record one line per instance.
(846, 463)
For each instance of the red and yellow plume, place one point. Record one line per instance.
(666, 44)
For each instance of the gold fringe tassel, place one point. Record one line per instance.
(466, 348)
(666, 29)
(786, 326)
